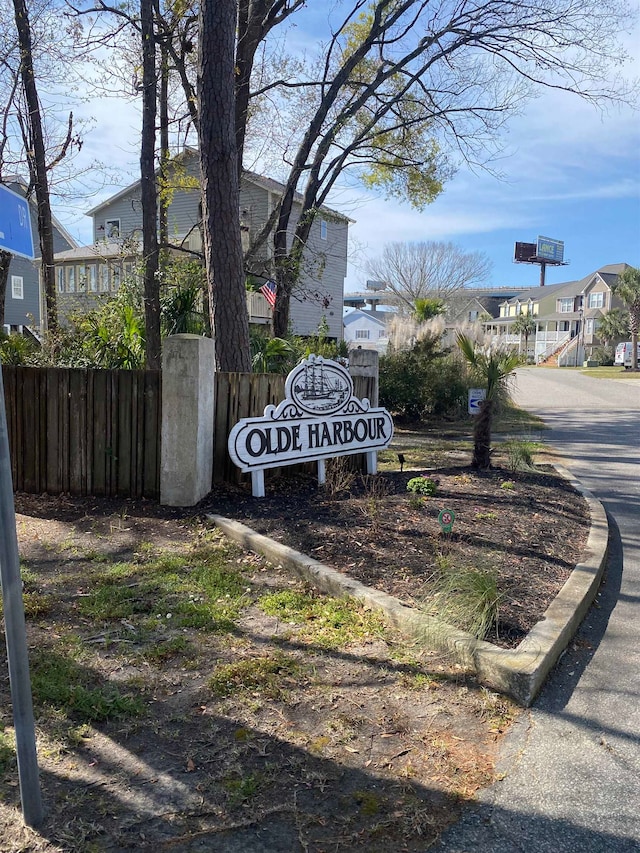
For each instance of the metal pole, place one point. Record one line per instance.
(16, 636)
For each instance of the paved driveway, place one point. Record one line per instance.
(572, 764)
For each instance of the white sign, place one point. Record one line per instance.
(476, 396)
(320, 418)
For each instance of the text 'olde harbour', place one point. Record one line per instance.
(324, 435)
(320, 418)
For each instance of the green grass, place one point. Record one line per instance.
(64, 685)
(325, 622)
(7, 751)
(266, 676)
(197, 590)
(616, 372)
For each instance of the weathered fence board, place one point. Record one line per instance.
(84, 431)
(97, 432)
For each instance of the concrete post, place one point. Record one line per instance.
(188, 391)
(364, 362)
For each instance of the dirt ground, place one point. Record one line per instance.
(358, 741)
(529, 526)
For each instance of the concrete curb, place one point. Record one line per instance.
(518, 672)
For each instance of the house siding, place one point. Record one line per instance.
(321, 289)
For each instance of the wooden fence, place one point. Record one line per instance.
(84, 432)
(97, 432)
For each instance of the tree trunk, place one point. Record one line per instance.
(482, 436)
(5, 261)
(148, 189)
(37, 164)
(163, 200)
(221, 186)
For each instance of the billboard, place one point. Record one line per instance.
(15, 224)
(524, 253)
(550, 250)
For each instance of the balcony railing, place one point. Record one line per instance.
(258, 308)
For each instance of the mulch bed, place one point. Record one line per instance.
(531, 526)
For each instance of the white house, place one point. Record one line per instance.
(365, 330)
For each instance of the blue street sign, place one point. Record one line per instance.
(15, 224)
(476, 396)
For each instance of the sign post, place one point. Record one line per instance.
(16, 238)
(15, 224)
(16, 636)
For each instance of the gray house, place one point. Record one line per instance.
(117, 234)
(24, 301)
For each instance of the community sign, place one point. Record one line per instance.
(319, 419)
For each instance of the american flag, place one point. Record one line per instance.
(268, 290)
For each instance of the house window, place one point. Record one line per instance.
(92, 278)
(103, 278)
(323, 229)
(81, 279)
(112, 228)
(362, 334)
(589, 326)
(596, 300)
(382, 333)
(17, 287)
(565, 306)
(115, 276)
(60, 272)
(473, 315)
(71, 279)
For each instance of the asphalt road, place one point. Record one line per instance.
(572, 764)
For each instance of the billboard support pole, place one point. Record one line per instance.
(543, 271)
(16, 636)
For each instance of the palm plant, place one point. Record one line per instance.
(524, 325)
(426, 309)
(272, 355)
(493, 367)
(181, 310)
(627, 288)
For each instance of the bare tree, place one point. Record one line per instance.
(33, 143)
(406, 80)
(5, 262)
(400, 88)
(428, 270)
(34, 135)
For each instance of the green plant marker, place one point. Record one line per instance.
(446, 518)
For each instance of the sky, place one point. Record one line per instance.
(569, 172)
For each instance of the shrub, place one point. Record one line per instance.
(418, 383)
(422, 486)
(16, 349)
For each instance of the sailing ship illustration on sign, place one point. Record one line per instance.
(321, 387)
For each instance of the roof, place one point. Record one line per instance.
(97, 251)
(269, 184)
(356, 314)
(608, 273)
